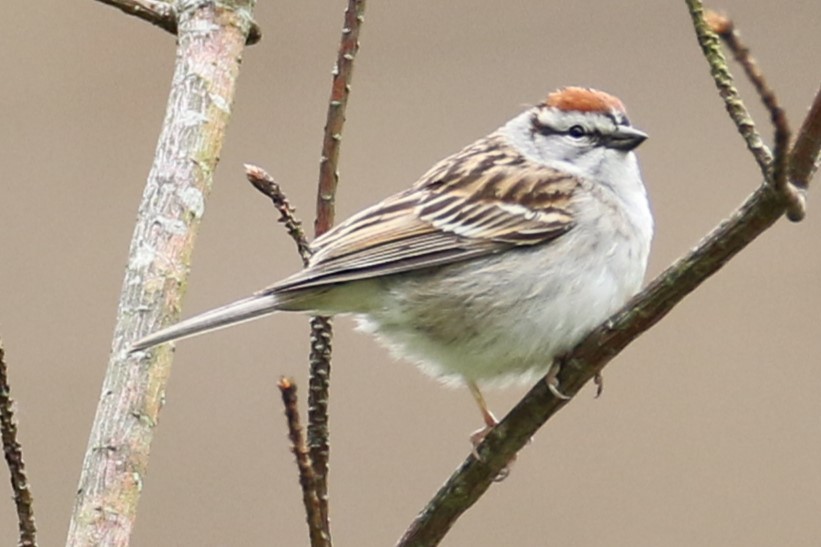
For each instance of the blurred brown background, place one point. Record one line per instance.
(708, 432)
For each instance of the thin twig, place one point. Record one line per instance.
(805, 157)
(162, 14)
(760, 211)
(319, 363)
(318, 529)
(14, 458)
(724, 27)
(307, 479)
(316, 511)
(332, 140)
(321, 327)
(739, 114)
(209, 50)
(265, 183)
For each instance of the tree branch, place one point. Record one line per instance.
(318, 526)
(162, 13)
(210, 43)
(307, 477)
(13, 452)
(724, 27)
(266, 184)
(760, 211)
(805, 158)
(319, 381)
(321, 327)
(711, 47)
(332, 140)
(587, 359)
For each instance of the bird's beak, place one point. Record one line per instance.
(626, 138)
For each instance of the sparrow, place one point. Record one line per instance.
(496, 261)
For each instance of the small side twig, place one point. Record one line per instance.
(266, 184)
(724, 27)
(710, 45)
(307, 478)
(14, 459)
(316, 508)
(805, 158)
(321, 327)
(162, 14)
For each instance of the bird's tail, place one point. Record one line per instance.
(226, 316)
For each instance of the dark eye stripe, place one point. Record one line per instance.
(576, 131)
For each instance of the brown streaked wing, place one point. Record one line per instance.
(384, 239)
(466, 206)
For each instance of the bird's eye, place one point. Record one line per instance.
(577, 132)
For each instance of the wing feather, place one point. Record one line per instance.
(485, 199)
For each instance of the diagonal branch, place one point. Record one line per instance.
(588, 358)
(759, 211)
(211, 39)
(162, 13)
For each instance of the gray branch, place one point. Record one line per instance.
(163, 14)
(212, 35)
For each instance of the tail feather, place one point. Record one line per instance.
(226, 316)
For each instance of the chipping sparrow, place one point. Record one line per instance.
(498, 259)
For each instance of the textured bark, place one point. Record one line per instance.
(210, 42)
(163, 14)
(13, 452)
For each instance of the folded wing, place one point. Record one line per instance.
(481, 201)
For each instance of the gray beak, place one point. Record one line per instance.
(626, 138)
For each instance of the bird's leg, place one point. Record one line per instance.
(490, 420)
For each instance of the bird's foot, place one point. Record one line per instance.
(552, 380)
(476, 439)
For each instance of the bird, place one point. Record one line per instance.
(498, 260)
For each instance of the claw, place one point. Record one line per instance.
(476, 439)
(598, 379)
(552, 379)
